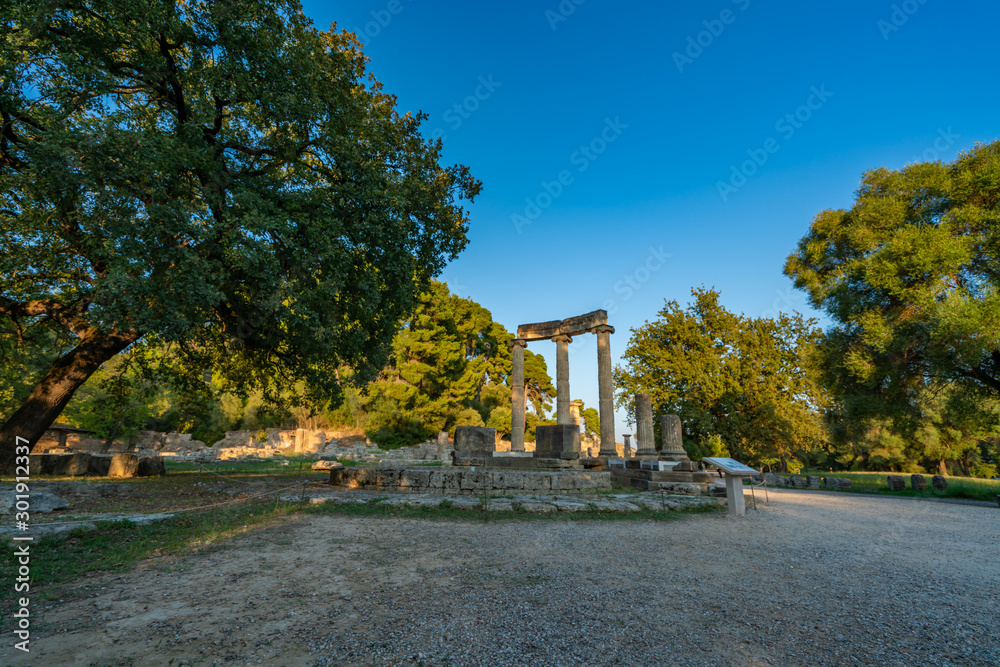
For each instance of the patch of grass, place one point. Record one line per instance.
(971, 488)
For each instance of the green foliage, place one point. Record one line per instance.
(909, 275)
(538, 389)
(449, 367)
(591, 422)
(748, 381)
(984, 470)
(25, 356)
(711, 446)
(221, 175)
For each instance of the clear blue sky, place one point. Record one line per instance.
(681, 92)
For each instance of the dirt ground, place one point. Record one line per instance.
(812, 578)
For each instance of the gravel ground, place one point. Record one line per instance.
(811, 579)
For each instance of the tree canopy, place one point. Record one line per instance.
(220, 175)
(910, 275)
(736, 382)
(450, 366)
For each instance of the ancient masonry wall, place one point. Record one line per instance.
(451, 480)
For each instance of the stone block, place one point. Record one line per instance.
(151, 466)
(797, 482)
(39, 502)
(435, 480)
(472, 480)
(340, 476)
(812, 481)
(538, 481)
(895, 482)
(509, 480)
(124, 465)
(365, 476)
(917, 482)
(475, 439)
(774, 479)
(452, 481)
(837, 483)
(386, 478)
(563, 481)
(554, 441)
(69, 465)
(99, 465)
(939, 483)
(414, 479)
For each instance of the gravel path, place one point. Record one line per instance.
(811, 579)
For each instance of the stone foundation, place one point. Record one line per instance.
(450, 480)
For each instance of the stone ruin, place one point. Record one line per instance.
(68, 451)
(561, 332)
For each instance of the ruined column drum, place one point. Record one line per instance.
(644, 438)
(517, 398)
(673, 447)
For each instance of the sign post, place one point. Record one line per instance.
(735, 472)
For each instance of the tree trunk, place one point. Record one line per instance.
(942, 467)
(51, 395)
(111, 437)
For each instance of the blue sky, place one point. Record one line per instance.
(630, 151)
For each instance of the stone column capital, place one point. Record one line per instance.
(562, 339)
(517, 342)
(603, 328)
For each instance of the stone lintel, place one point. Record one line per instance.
(572, 326)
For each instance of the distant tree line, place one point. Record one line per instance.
(908, 376)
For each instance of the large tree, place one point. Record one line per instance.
(218, 174)
(910, 275)
(748, 381)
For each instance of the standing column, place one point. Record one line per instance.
(563, 415)
(644, 439)
(627, 437)
(517, 395)
(605, 390)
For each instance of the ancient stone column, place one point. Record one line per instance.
(605, 390)
(574, 410)
(673, 447)
(517, 395)
(644, 439)
(562, 379)
(628, 445)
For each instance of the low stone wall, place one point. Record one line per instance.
(452, 480)
(807, 482)
(78, 464)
